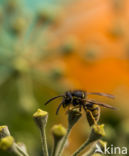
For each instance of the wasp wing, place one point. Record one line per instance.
(102, 94)
(102, 104)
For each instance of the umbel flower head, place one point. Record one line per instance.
(40, 118)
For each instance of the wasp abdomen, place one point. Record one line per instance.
(93, 114)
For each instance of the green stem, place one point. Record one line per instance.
(15, 151)
(62, 145)
(23, 153)
(54, 148)
(82, 147)
(44, 141)
(90, 152)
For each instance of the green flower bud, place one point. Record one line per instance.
(6, 142)
(58, 131)
(73, 116)
(96, 133)
(4, 131)
(40, 118)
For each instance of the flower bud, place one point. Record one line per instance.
(58, 131)
(4, 131)
(6, 143)
(96, 133)
(73, 116)
(40, 118)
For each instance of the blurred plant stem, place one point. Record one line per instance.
(44, 141)
(62, 145)
(54, 147)
(102, 144)
(73, 116)
(58, 132)
(8, 143)
(91, 151)
(81, 148)
(20, 150)
(97, 132)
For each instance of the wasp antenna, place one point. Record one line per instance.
(53, 99)
(102, 94)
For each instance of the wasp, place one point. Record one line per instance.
(78, 98)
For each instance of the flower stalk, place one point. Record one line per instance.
(58, 132)
(102, 144)
(73, 116)
(40, 118)
(96, 133)
(7, 142)
(20, 150)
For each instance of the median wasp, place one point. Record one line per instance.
(78, 99)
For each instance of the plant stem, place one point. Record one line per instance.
(54, 148)
(96, 133)
(90, 152)
(44, 141)
(15, 151)
(62, 145)
(23, 153)
(82, 147)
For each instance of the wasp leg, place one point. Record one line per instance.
(75, 107)
(84, 107)
(80, 108)
(90, 117)
(59, 107)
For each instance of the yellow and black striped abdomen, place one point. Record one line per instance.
(93, 114)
